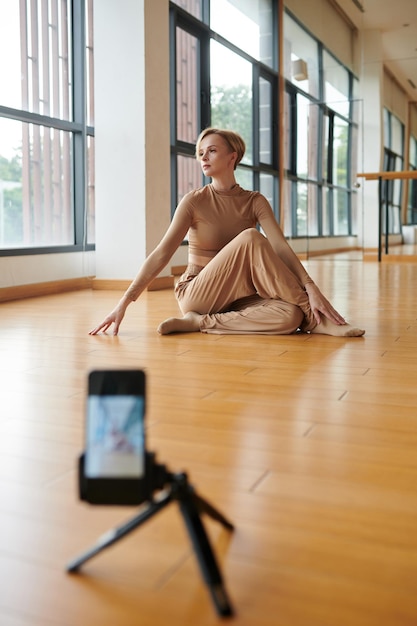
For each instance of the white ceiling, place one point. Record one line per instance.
(397, 21)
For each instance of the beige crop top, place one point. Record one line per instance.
(216, 217)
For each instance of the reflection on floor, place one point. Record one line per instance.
(396, 253)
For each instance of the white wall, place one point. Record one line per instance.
(132, 127)
(42, 268)
(371, 132)
(119, 77)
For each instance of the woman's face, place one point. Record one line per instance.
(215, 156)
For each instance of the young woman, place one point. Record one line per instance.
(237, 281)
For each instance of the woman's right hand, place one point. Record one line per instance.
(115, 317)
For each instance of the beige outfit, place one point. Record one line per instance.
(245, 288)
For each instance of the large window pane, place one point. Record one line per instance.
(340, 212)
(11, 228)
(398, 184)
(244, 178)
(91, 191)
(412, 185)
(35, 179)
(268, 186)
(37, 45)
(394, 221)
(287, 209)
(413, 152)
(302, 213)
(231, 94)
(300, 57)
(248, 25)
(336, 84)
(302, 130)
(288, 132)
(307, 138)
(393, 161)
(312, 209)
(188, 92)
(10, 72)
(325, 213)
(397, 136)
(89, 63)
(354, 155)
(340, 152)
(195, 7)
(189, 175)
(265, 121)
(354, 212)
(387, 128)
(325, 148)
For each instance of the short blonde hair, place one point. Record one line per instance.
(233, 140)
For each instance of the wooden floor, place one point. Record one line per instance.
(307, 443)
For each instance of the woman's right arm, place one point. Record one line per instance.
(150, 269)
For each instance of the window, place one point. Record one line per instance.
(412, 191)
(321, 126)
(46, 147)
(247, 25)
(301, 57)
(231, 94)
(336, 85)
(224, 74)
(393, 162)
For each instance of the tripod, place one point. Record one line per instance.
(191, 505)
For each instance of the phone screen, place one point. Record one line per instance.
(115, 437)
(115, 426)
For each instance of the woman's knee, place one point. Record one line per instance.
(288, 317)
(296, 317)
(249, 236)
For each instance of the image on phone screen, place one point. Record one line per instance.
(115, 436)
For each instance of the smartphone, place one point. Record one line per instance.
(114, 467)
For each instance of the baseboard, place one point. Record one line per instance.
(177, 270)
(371, 254)
(331, 251)
(19, 292)
(162, 282)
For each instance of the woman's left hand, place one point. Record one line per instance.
(321, 306)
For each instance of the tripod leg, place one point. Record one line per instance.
(205, 507)
(206, 559)
(119, 532)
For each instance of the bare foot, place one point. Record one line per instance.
(326, 327)
(190, 323)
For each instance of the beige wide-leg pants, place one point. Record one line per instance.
(246, 289)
